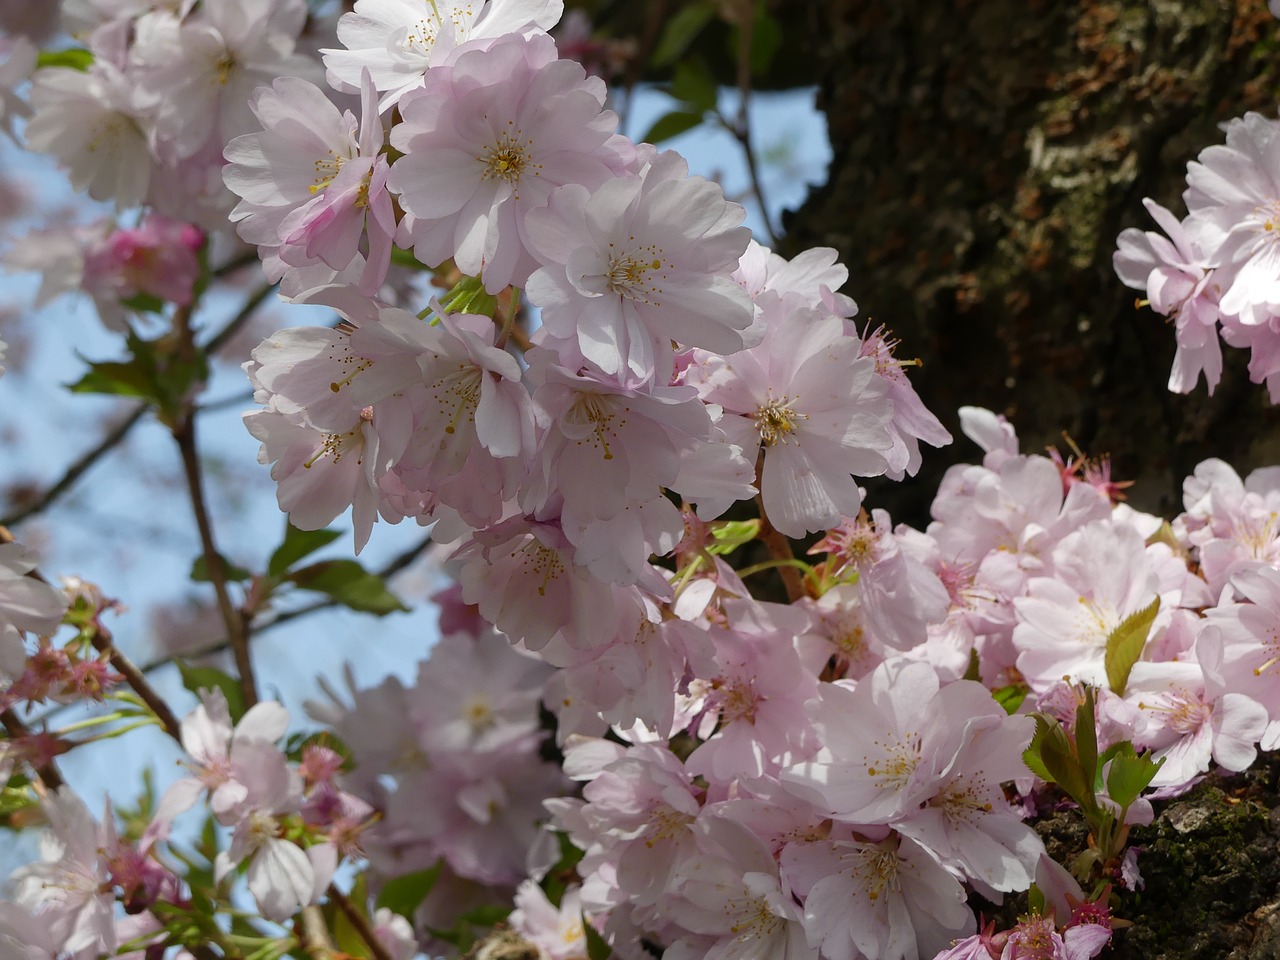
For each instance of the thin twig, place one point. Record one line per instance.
(392, 567)
(741, 128)
(78, 468)
(118, 433)
(233, 618)
(48, 773)
(231, 266)
(780, 549)
(219, 340)
(360, 922)
(779, 546)
(102, 641)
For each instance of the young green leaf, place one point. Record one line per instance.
(1124, 645)
(350, 584)
(597, 949)
(671, 125)
(200, 571)
(1087, 739)
(681, 30)
(1130, 774)
(1035, 901)
(404, 894)
(1051, 753)
(729, 535)
(74, 58)
(298, 544)
(1010, 697)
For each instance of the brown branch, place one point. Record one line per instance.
(779, 546)
(119, 432)
(219, 340)
(780, 549)
(78, 469)
(48, 773)
(360, 922)
(136, 679)
(233, 618)
(741, 128)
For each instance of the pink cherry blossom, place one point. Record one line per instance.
(485, 141)
(1175, 274)
(27, 605)
(398, 40)
(807, 403)
(644, 260)
(310, 188)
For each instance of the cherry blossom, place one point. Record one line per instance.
(644, 260)
(398, 40)
(485, 141)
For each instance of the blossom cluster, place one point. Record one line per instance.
(615, 735)
(1216, 274)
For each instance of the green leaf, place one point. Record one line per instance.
(729, 535)
(1130, 774)
(766, 38)
(404, 894)
(157, 372)
(469, 296)
(196, 679)
(1010, 697)
(694, 84)
(406, 259)
(1125, 644)
(1035, 901)
(597, 949)
(1087, 740)
(14, 799)
(1031, 755)
(350, 584)
(230, 571)
(487, 916)
(115, 379)
(144, 303)
(72, 59)
(298, 544)
(671, 125)
(1051, 758)
(345, 935)
(681, 30)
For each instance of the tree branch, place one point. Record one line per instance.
(48, 773)
(136, 679)
(741, 127)
(232, 617)
(78, 469)
(118, 433)
(219, 339)
(360, 922)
